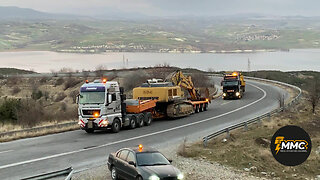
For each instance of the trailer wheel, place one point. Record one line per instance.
(148, 119)
(133, 122)
(140, 121)
(205, 107)
(116, 126)
(197, 109)
(200, 107)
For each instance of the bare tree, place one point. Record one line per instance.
(100, 70)
(314, 94)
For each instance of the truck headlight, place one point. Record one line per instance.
(180, 176)
(224, 94)
(237, 94)
(105, 122)
(154, 177)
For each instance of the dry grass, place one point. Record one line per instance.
(37, 133)
(250, 149)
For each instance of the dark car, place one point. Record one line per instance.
(141, 163)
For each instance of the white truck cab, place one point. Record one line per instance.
(99, 106)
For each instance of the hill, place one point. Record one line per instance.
(7, 71)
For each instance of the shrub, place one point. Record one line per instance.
(8, 109)
(73, 95)
(43, 80)
(36, 94)
(71, 83)
(60, 97)
(15, 90)
(134, 79)
(59, 81)
(30, 114)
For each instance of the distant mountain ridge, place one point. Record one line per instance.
(12, 12)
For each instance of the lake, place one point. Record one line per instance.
(46, 61)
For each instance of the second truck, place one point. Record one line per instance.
(233, 85)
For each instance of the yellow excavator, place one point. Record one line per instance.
(171, 101)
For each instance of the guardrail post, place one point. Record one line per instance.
(228, 133)
(269, 116)
(259, 120)
(205, 141)
(246, 126)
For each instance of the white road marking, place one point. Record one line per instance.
(225, 103)
(138, 137)
(6, 151)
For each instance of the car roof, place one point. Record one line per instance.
(137, 150)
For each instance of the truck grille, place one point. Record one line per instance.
(90, 112)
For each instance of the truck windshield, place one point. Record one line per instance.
(230, 83)
(151, 159)
(92, 97)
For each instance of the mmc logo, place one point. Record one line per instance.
(290, 145)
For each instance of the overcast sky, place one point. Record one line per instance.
(173, 7)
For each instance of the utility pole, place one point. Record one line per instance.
(249, 65)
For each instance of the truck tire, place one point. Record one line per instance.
(200, 107)
(133, 122)
(114, 173)
(90, 131)
(116, 125)
(148, 119)
(197, 108)
(140, 121)
(205, 107)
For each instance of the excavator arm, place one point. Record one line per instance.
(178, 79)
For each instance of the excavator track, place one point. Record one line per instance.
(179, 109)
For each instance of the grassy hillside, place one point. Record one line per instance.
(10, 71)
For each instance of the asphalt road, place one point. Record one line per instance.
(32, 156)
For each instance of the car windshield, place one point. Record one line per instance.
(92, 97)
(230, 83)
(151, 159)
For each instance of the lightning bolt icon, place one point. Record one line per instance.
(278, 141)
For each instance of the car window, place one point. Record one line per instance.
(123, 155)
(131, 157)
(152, 158)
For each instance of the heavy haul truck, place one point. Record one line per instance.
(103, 105)
(233, 85)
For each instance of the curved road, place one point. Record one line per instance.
(32, 156)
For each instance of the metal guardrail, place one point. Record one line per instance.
(64, 172)
(258, 118)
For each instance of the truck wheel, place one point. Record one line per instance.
(114, 174)
(133, 122)
(205, 107)
(116, 126)
(90, 131)
(197, 109)
(140, 122)
(201, 108)
(148, 119)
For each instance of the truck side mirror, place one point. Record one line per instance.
(77, 98)
(170, 160)
(109, 98)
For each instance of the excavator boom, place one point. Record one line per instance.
(178, 79)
